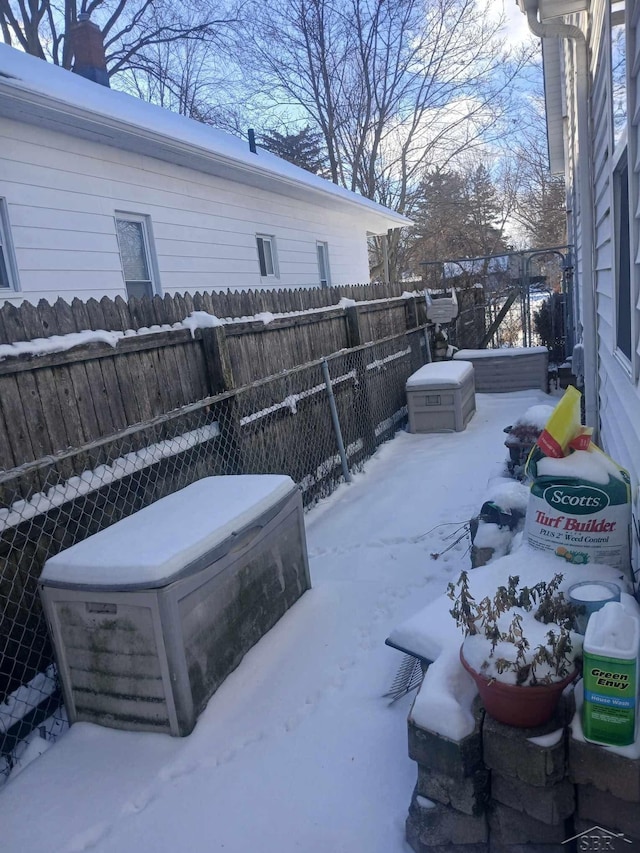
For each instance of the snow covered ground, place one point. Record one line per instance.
(298, 750)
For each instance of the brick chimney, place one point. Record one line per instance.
(87, 50)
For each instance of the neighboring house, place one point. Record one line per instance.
(104, 194)
(592, 87)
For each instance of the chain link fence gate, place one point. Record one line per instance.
(281, 424)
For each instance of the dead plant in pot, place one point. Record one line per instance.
(518, 647)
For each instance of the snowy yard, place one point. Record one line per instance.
(297, 751)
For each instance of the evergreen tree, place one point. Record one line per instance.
(304, 148)
(484, 226)
(458, 215)
(439, 220)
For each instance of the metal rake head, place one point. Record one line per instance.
(408, 677)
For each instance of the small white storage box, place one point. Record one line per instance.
(150, 615)
(509, 368)
(441, 397)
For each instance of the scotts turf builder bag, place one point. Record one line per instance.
(580, 502)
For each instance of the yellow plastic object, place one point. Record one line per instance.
(563, 425)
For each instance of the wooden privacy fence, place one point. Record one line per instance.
(93, 434)
(66, 399)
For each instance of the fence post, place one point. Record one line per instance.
(336, 421)
(220, 379)
(411, 313)
(217, 360)
(354, 335)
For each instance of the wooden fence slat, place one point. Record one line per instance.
(12, 321)
(221, 302)
(86, 427)
(15, 420)
(7, 459)
(171, 310)
(30, 432)
(112, 317)
(113, 394)
(207, 303)
(95, 315)
(146, 311)
(122, 308)
(133, 305)
(80, 311)
(46, 381)
(188, 302)
(173, 363)
(154, 381)
(47, 318)
(61, 314)
(159, 310)
(32, 404)
(32, 322)
(165, 371)
(181, 307)
(183, 374)
(139, 384)
(92, 316)
(128, 390)
(69, 407)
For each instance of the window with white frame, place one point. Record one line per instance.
(138, 265)
(267, 257)
(323, 263)
(622, 218)
(8, 273)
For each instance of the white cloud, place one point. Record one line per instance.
(515, 27)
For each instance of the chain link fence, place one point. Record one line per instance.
(281, 424)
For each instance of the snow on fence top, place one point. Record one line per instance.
(195, 320)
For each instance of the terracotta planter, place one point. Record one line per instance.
(523, 707)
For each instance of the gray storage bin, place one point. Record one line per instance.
(441, 397)
(509, 368)
(150, 615)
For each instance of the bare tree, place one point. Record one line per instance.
(540, 209)
(132, 29)
(394, 86)
(186, 77)
(540, 196)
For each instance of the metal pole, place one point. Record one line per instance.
(336, 422)
(385, 255)
(523, 316)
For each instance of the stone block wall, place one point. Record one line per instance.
(507, 790)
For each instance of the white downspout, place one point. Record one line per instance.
(585, 188)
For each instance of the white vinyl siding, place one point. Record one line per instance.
(62, 192)
(617, 264)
